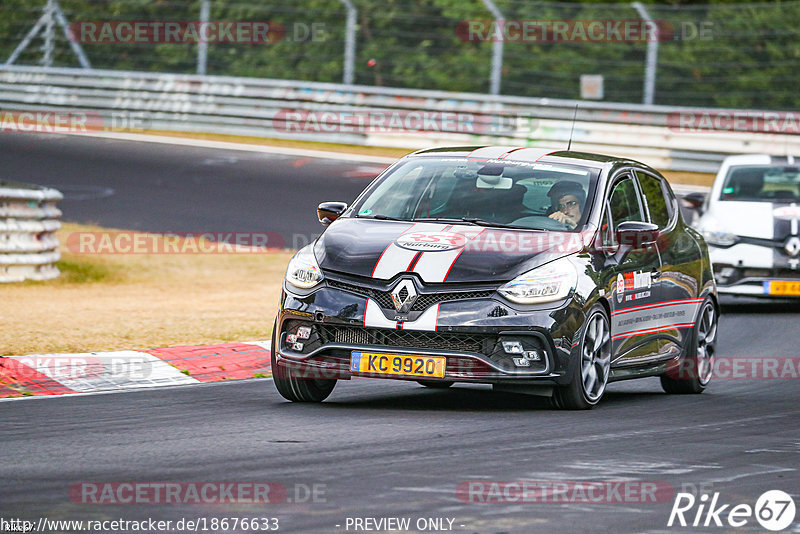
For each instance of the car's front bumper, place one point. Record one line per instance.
(467, 332)
(747, 269)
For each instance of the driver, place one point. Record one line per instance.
(567, 199)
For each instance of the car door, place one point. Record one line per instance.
(635, 271)
(681, 264)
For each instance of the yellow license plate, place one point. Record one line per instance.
(397, 364)
(778, 287)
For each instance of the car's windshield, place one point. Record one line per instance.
(762, 183)
(525, 195)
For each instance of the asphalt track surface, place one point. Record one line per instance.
(375, 448)
(157, 187)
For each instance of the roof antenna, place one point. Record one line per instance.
(572, 129)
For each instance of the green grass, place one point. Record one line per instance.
(75, 271)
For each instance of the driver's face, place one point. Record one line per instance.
(569, 205)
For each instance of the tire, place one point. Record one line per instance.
(591, 371)
(696, 366)
(435, 384)
(297, 389)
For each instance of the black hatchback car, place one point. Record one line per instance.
(549, 273)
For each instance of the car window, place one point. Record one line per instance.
(607, 237)
(624, 202)
(654, 199)
(528, 195)
(762, 183)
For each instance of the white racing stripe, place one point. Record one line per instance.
(393, 260)
(373, 316)
(427, 322)
(651, 318)
(433, 267)
(396, 259)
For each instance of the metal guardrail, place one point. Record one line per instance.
(138, 101)
(28, 221)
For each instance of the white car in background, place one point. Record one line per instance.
(751, 222)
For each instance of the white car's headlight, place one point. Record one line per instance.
(303, 270)
(547, 283)
(720, 239)
(715, 235)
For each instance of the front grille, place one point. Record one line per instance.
(352, 335)
(383, 298)
(423, 302)
(742, 273)
(786, 273)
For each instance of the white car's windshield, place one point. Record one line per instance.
(493, 193)
(762, 183)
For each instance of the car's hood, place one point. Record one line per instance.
(438, 252)
(763, 220)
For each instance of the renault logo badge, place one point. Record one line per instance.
(792, 246)
(403, 295)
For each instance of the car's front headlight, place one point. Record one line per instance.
(716, 236)
(547, 283)
(303, 271)
(719, 238)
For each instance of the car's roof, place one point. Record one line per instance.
(760, 159)
(526, 155)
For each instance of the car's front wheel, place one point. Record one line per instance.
(295, 388)
(694, 371)
(589, 374)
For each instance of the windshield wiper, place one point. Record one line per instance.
(381, 217)
(440, 219)
(482, 222)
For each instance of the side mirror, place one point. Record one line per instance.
(637, 234)
(327, 212)
(695, 200)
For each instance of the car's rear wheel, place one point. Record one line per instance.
(296, 388)
(435, 384)
(589, 374)
(694, 371)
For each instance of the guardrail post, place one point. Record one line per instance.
(52, 14)
(349, 43)
(651, 62)
(28, 221)
(497, 48)
(49, 37)
(202, 45)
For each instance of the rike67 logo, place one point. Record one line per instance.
(774, 510)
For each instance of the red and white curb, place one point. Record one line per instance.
(92, 372)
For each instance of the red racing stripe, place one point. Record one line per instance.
(653, 330)
(658, 305)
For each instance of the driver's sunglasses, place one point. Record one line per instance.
(568, 204)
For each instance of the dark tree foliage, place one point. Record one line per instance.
(722, 54)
